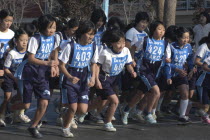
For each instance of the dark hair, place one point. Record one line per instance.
(73, 23)
(18, 33)
(205, 14)
(180, 31)
(96, 15)
(171, 33)
(153, 27)
(44, 21)
(111, 36)
(30, 29)
(4, 13)
(115, 23)
(141, 16)
(35, 23)
(205, 39)
(84, 27)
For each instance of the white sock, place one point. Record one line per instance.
(153, 111)
(159, 103)
(66, 129)
(109, 123)
(139, 111)
(183, 107)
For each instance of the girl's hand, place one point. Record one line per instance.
(133, 74)
(168, 60)
(91, 82)
(74, 80)
(182, 73)
(1, 72)
(51, 63)
(169, 81)
(98, 84)
(54, 71)
(133, 64)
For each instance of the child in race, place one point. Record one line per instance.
(134, 35)
(6, 34)
(206, 89)
(201, 54)
(78, 55)
(67, 35)
(137, 32)
(35, 71)
(18, 46)
(181, 53)
(98, 17)
(6, 20)
(154, 53)
(111, 62)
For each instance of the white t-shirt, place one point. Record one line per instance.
(47, 45)
(200, 32)
(82, 54)
(4, 39)
(113, 63)
(14, 59)
(202, 52)
(133, 35)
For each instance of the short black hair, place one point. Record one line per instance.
(74, 22)
(96, 15)
(18, 33)
(153, 27)
(171, 33)
(141, 16)
(180, 31)
(30, 29)
(4, 13)
(112, 36)
(85, 27)
(205, 14)
(115, 23)
(44, 21)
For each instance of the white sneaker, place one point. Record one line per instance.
(73, 124)
(59, 121)
(149, 118)
(109, 127)
(96, 118)
(81, 118)
(24, 118)
(113, 118)
(139, 117)
(154, 116)
(66, 133)
(2, 123)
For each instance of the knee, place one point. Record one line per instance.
(26, 106)
(185, 95)
(43, 105)
(114, 102)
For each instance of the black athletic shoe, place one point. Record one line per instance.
(35, 133)
(184, 119)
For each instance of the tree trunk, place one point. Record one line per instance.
(160, 9)
(170, 12)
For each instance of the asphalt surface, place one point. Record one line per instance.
(166, 129)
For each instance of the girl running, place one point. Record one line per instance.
(18, 46)
(36, 70)
(78, 55)
(111, 62)
(176, 70)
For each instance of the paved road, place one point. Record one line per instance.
(164, 130)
